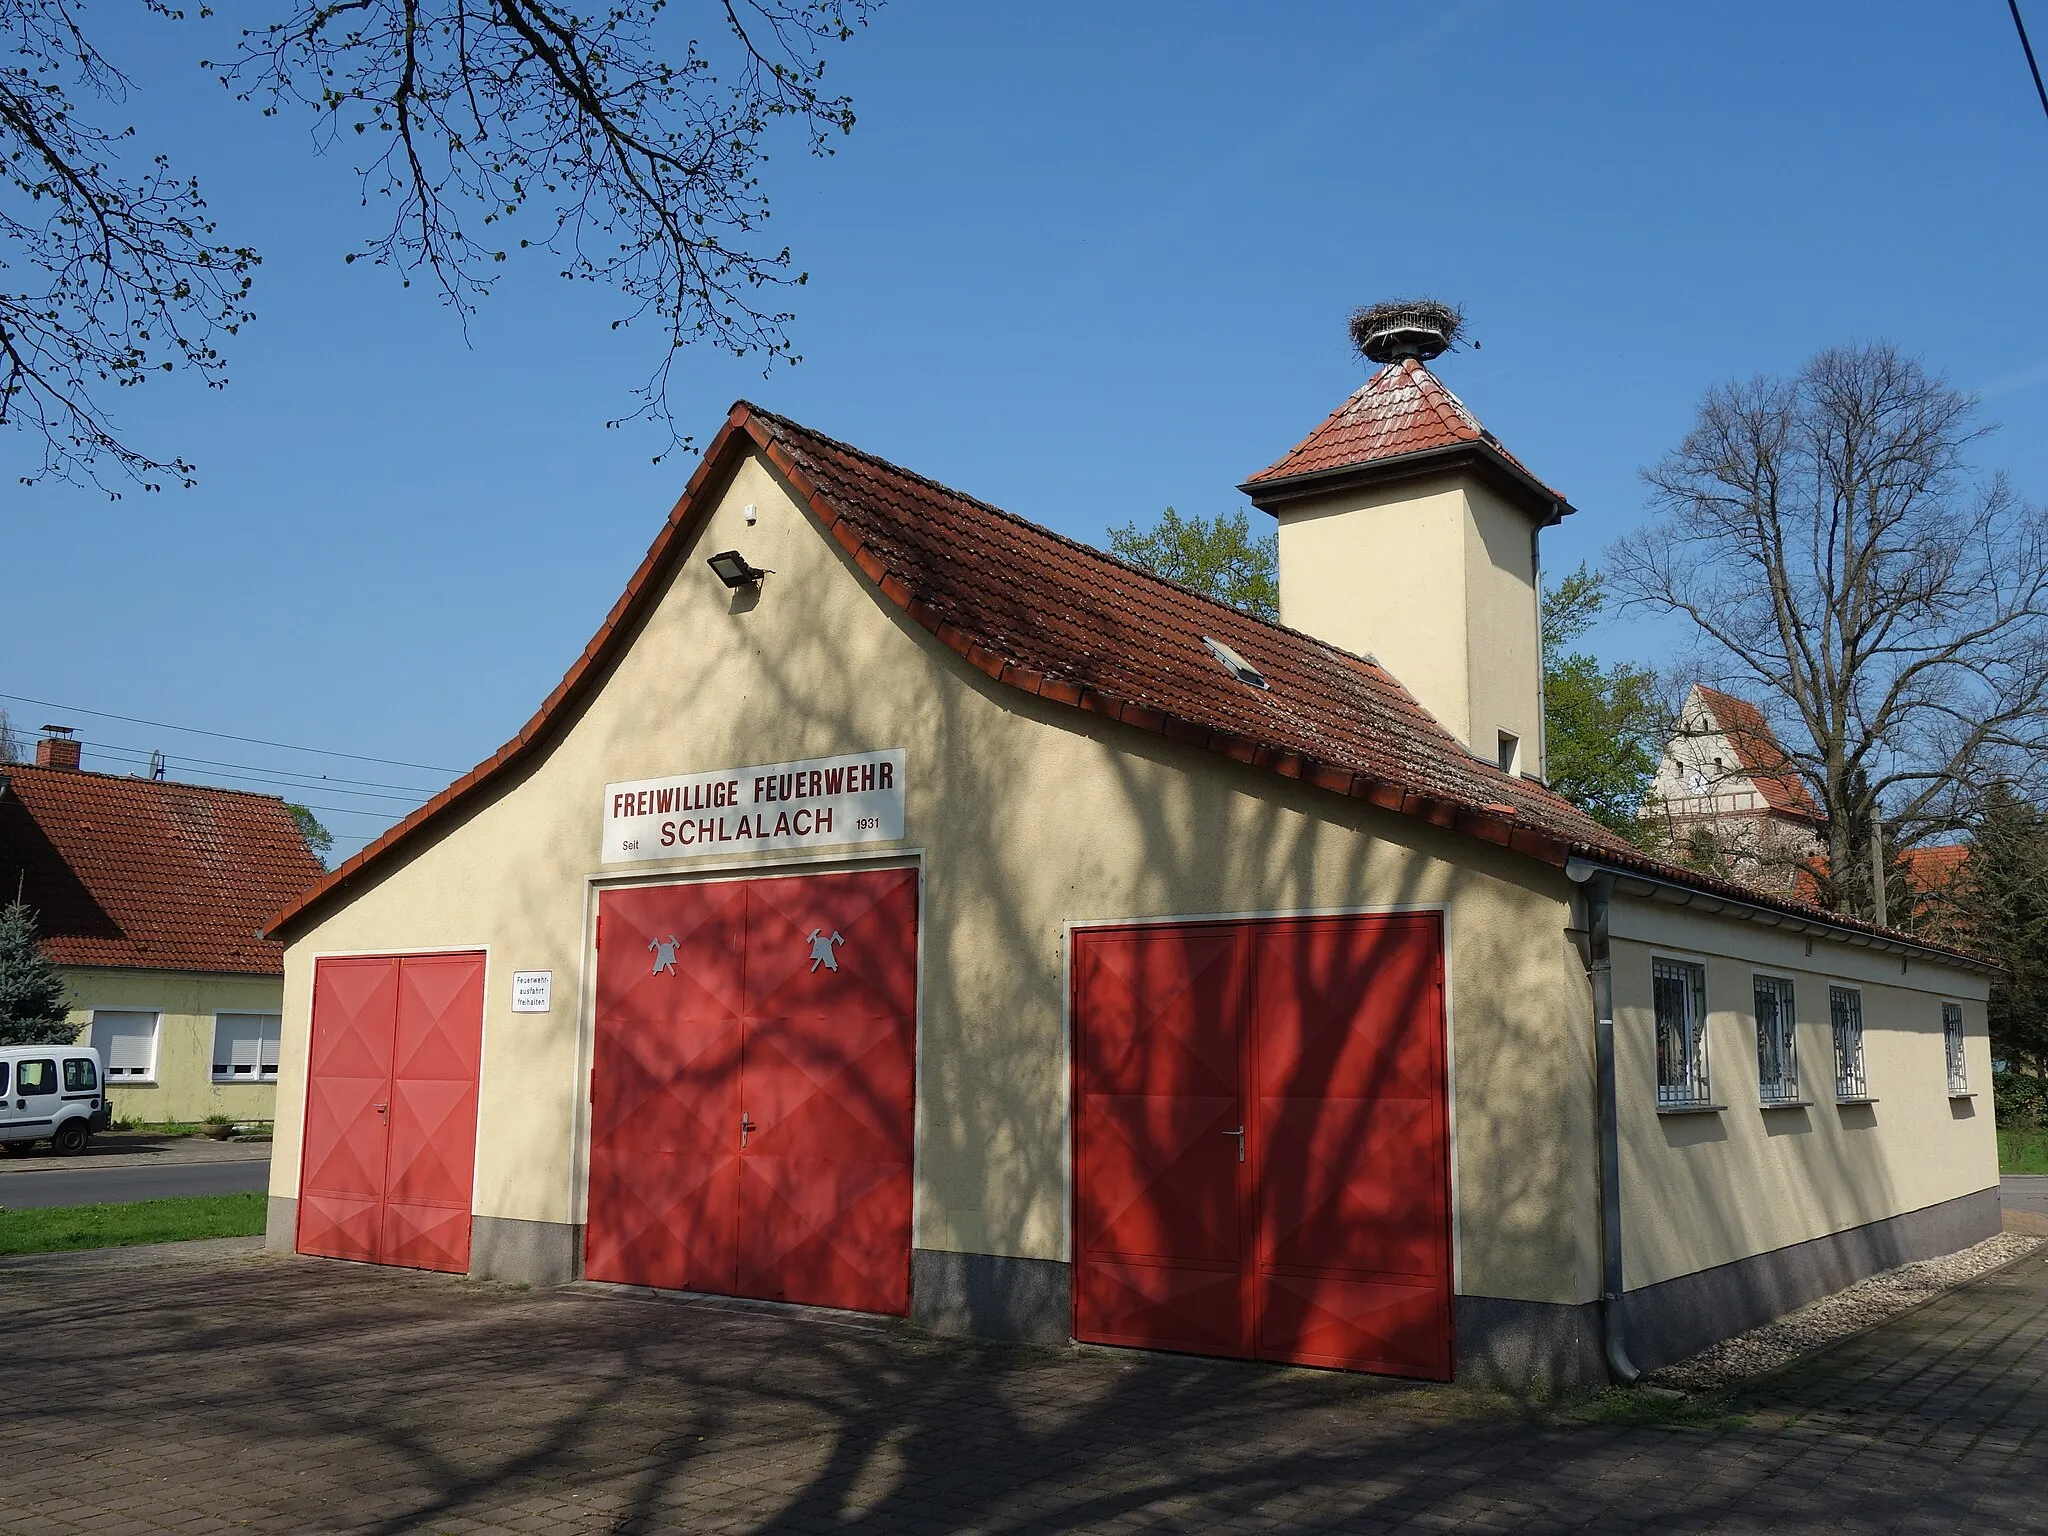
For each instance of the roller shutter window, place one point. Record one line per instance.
(245, 1047)
(126, 1041)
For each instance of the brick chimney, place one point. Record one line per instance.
(57, 749)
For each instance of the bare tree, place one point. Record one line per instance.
(628, 152)
(106, 279)
(1837, 559)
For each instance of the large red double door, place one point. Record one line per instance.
(752, 1097)
(1261, 1145)
(390, 1130)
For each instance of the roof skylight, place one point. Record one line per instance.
(1235, 664)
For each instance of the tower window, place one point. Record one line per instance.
(1510, 752)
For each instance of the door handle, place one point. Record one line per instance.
(382, 1108)
(747, 1127)
(1239, 1134)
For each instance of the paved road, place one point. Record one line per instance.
(2025, 1192)
(239, 1391)
(32, 1183)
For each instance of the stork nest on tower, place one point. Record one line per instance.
(1418, 328)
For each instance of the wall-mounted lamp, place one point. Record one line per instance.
(731, 567)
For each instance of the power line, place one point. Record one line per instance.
(289, 777)
(389, 818)
(254, 741)
(132, 755)
(2039, 89)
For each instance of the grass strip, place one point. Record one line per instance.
(67, 1228)
(2023, 1151)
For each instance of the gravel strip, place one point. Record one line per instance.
(1862, 1305)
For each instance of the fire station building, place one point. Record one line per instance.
(900, 907)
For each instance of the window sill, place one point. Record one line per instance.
(1691, 1109)
(1770, 1104)
(1860, 1099)
(1962, 1093)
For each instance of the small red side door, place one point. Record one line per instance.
(387, 1169)
(348, 1094)
(1353, 1250)
(664, 1092)
(828, 1083)
(1162, 1181)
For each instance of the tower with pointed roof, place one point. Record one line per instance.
(1408, 533)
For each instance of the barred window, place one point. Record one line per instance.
(1777, 1055)
(1845, 1014)
(1952, 1040)
(1679, 993)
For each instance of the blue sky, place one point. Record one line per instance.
(1081, 260)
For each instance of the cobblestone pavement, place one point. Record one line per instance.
(237, 1391)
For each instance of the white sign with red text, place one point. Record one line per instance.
(856, 797)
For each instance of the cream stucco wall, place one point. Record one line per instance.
(1027, 817)
(1703, 1189)
(1436, 578)
(186, 1002)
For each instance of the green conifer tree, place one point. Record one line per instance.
(32, 1008)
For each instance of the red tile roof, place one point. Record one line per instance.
(1068, 623)
(1934, 867)
(1762, 755)
(1401, 411)
(148, 874)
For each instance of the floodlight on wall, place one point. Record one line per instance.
(731, 567)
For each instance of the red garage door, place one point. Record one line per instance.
(390, 1129)
(1260, 1143)
(752, 1095)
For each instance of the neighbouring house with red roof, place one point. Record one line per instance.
(901, 907)
(1725, 777)
(150, 896)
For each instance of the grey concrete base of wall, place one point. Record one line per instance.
(1680, 1317)
(524, 1252)
(1526, 1346)
(986, 1296)
(281, 1225)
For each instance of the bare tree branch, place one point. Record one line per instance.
(106, 278)
(631, 156)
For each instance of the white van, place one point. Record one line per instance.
(51, 1093)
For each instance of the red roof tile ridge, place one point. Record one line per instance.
(1456, 416)
(138, 780)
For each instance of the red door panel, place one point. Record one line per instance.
(792, 1003)
(388, 1163)
(1160, 1190)
(665, 1112)
(1354, 1219)
(348, 1082)
(431, 1162)
(1330, 1245)
(829, 1083)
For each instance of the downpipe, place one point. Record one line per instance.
(1598, 886)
